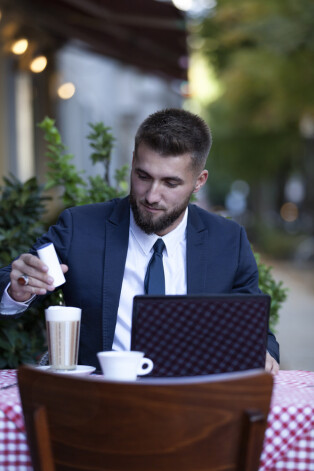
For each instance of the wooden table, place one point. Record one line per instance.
(289, 440)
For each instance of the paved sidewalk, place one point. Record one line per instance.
(295, 330)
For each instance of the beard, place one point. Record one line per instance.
(148, 224)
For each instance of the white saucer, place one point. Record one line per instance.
(79, 370)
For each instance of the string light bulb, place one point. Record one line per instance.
(19, 46)
(38, 64)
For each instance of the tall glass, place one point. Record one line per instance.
(63, 335)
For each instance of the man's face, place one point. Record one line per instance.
(161, 188)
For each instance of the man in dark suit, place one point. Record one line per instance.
(105, 248)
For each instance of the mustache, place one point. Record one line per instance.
(152, 206)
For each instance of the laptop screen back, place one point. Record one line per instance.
(203, 334)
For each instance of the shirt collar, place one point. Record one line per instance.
(171, 240)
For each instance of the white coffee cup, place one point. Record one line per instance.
(63, 334)
(124, 365)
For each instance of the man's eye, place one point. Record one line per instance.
(143, 177)
(172, 184)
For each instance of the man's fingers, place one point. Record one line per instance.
(24, 293)
(64, 268)
(271, 365)
(39, 282)
(37, 277)
(31, 266)
(29, 263)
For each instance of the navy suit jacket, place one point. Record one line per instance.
(93, 241)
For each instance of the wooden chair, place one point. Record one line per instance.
(174, 424)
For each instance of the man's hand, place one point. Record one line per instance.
(271, 365)
(38, 280)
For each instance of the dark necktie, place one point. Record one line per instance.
(154, 282)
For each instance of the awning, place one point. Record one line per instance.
(149, 34)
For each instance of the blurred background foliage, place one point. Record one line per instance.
(21, 211)
(77, 189)
(259, 58)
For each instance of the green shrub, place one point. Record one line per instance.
(275, 289)
(21, 210)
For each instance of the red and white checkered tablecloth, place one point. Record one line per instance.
(14, 454)
(289, 439)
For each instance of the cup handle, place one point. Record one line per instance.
(146, 367)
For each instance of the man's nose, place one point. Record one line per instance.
(153, 193)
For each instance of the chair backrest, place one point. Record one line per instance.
(203, 423)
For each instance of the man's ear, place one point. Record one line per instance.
(201, 180)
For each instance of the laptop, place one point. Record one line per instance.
(201, 334)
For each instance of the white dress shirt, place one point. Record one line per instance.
(140, 251)
(9, 306)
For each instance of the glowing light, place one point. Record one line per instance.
(38, 64)
(20, 46)
(204, 86)
(289, 212)
(195, 6)
(0, 15)
(66, 90)
(184, 5)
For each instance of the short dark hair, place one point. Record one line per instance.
(175, 132)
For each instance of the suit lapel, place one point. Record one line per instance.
(203, 254)
(116, 246)
(196, 252)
